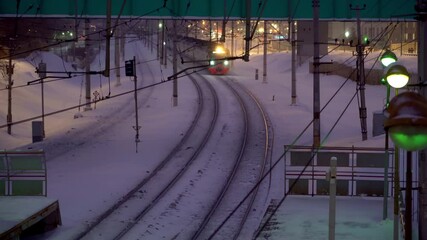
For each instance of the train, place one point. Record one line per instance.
(213, 54)
(218, 60)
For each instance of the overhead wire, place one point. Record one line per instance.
(195, 45)
(118, 17)
(88, 34)
(64, 41)
(36, 23)
(364, 57)
(165, 81)
(81, 105)
(279, 158)
(66, 78)
(352, 58)
(292, 144)
(260, 11)
(229, 12)
(314, 153)
(382, 49)
(309, 162)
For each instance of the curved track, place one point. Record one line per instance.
(255, 151)
(249, 163)
(115, 222)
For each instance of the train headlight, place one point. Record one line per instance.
(219, 50)
(226, 62)
(212, 62)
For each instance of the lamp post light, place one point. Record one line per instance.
(407, 123)
(347, 34)
(387, 58)
(395, 76)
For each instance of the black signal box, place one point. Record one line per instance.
(130, 68)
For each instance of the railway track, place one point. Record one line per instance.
(251, 160)
(120, 218)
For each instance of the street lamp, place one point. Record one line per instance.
(388, 58)
(347, 34)
(396, 75)
(391, 78)
(407, 122)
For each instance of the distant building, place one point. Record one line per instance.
(399, 37)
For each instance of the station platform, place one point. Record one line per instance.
(24, 215)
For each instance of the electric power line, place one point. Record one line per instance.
(81, 105)
(277, 161)
(89, 34)
(72, 74)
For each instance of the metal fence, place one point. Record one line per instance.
(360, 171)
(23, 173)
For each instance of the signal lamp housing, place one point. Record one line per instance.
(407, 121)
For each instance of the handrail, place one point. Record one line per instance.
(351, 172)
(13, 175)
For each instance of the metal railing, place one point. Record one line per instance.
(360, 171)
(23, 173)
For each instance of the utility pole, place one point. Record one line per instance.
(165, 47)
(224, 22)
(122, 42)
(291, 33)
(396, 192)
(360, 49)
(232, 41)
(316, 77)
(408, 196)
(158, 39)
(291, 37)
(107, 43)
(76, 34)
(42, 75)
(151, 36)
(210, 30)
(9, 69)
(196, 29)
(248, 31)
(144, 32)
(175, 66)
(421, 9)
(264, 72)
(87, 62)
(9, 90)
(117, 54)
(130, 71)
(195, 36)
(162, 41)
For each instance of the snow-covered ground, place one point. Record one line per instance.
(93, 160)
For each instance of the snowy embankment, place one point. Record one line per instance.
(92, 160)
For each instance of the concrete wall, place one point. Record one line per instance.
(305, 46)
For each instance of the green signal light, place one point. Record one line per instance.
(366, 40)
(411, 138)
(383, 81)
(406, 121)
